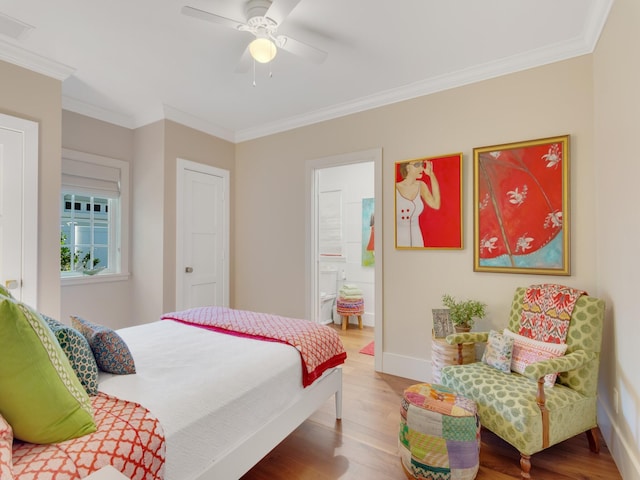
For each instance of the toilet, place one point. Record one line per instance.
(328, 292)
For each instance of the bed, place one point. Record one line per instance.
(223, 399)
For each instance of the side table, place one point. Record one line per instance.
(443, 354)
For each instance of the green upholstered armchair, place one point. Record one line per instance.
(519, 408)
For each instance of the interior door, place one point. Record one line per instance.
(18, 207)
(202, 238)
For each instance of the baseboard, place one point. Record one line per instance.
(417, 369)
(625, 455)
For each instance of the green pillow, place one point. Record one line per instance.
(40, 395)
(4, 292)
(79, 353)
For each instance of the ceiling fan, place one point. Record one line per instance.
(263, 19)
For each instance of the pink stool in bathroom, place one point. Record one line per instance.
(347, 307)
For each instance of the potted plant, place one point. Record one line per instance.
(463, 312)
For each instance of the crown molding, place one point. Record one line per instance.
(163, 112)
(535, 58)
(32, 61)
(596, 22)
(186, 119)
(516, 63)
(584, 44)
(78, 106)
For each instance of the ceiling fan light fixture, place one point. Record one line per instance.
(263, 50)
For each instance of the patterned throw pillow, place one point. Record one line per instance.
(546, 312)
(111, 352)
(79, 353)
(6, 444)
(40, 394)
(498, 352)
(527, 351)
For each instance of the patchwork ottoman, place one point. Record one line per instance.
(439, 434)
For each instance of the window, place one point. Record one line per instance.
(93, 215)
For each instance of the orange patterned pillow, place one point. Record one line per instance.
(6, 443)
(527, 351)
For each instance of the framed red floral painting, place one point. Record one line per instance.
(521, 213)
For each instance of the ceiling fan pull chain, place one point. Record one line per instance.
(254, 73)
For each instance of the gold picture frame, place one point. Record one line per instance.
(521, 207)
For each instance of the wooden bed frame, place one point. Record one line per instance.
(243, 457)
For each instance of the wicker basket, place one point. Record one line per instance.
(444, 354)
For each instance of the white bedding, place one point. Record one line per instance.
(208, 390)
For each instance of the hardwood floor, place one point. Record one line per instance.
(363, 445)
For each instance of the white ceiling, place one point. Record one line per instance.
(132, 62)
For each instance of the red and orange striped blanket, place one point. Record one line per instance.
(320, 346)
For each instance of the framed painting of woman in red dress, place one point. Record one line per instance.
(428, 201)
(521, 213)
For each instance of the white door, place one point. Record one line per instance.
(18, 207)
(202, 272)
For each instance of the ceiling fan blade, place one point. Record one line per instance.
(280, 9)
(211, 17)
(303, 50)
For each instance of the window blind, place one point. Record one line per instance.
(90, 179)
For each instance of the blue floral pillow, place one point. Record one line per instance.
(79, 353)
(498, 352)
(111, 352)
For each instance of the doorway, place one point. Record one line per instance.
(340, 249)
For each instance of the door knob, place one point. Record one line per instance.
(188, 269)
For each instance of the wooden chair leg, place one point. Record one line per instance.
(345, 321)
(594, 440)
(360, 322)
(525, 466)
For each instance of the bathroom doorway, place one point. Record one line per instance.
(344, 247)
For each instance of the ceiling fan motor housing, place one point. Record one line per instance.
(257, 8)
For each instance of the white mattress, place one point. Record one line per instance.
(208, 390)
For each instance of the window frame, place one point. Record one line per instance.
(119, 270)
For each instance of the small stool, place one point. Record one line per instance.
(347, 307)
(439, 434)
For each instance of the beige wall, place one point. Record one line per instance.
(147, 219)
(551, 100)
(95, 301)
(617, 109)
(36, 97)
(156, 148)
(188, 144)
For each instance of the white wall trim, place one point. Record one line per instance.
(124, 207)
(372, 155)
(624, 454)
(418, 369)
(30, 135)
(32, 61)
